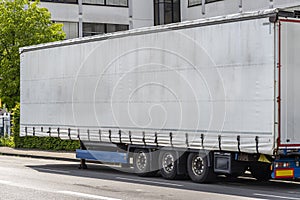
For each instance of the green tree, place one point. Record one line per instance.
(22, 23)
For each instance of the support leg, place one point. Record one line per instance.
(82, 164)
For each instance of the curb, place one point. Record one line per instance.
(40, 157)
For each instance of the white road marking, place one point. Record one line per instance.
(146, 181)
(275, 196)
(52, 170)
(5, 182)
(286, 181)
(83, 195)
(91, 196)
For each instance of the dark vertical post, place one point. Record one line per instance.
(171, 139)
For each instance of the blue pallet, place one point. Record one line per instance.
(103, 156)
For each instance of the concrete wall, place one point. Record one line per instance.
(142, 13)
(92, 14)
(230, 7)
(62, 11)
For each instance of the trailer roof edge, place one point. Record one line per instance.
(174, 26)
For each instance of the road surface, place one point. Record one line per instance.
(28, 178)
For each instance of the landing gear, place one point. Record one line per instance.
(82, 164)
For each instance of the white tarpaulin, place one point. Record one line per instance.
(216, 81)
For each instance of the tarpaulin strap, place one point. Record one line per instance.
(238, 138)
(256, 142)
(202, 140)
(219, 139)
(171, 139)
(130, 138)
(187, 140)
(109, 135)
(120, 136)
(144, 140)
(100, 135)
(69, 133)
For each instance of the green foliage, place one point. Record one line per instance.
(22, 23)
(7, 141)
(48, 143)
(15, 121)
(33, 142)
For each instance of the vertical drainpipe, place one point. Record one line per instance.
(130, 13)
(271, 5)
(241, 6)
(80, 34)
(203, 7)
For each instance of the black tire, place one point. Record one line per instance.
(261, 171)
(141, 163)
(198, 169)
(168, 164)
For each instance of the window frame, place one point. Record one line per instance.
(200, 3)
(105, 28)
(156, 12)
(93, 4)
(105, 4)
(57, 1)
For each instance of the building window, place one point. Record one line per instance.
(71, 29)
(116, 27)
(94, 2)
(61, 1)
(166, 11)
(90, 29)
(117, 2)
(199, 2)
(120, 3)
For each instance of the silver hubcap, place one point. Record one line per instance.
(197, 165)
(168, 162)
(141, 161)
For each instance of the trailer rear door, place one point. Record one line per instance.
(289, 77)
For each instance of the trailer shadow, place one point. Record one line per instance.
(242, 186)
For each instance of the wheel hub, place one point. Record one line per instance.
(168, 163)
(141, 161)
(197, 165)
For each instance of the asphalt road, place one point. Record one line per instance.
(27, 178)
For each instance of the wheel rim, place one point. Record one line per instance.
(168, 162)
(141, 161)
(197, 165)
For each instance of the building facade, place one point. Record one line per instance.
(89, 17)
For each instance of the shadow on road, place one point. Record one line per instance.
(244, 186)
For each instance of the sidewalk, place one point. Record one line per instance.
(56, 155)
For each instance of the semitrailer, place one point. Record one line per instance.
(200, 98)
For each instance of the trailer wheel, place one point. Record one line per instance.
(168, 164)
(261, 171)
(141, 163)
(198, 169)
